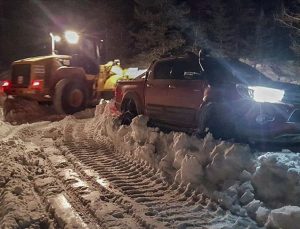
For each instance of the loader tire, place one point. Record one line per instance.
(70, 96)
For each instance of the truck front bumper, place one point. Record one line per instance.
(267, 122)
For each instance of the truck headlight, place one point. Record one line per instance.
(261, 94)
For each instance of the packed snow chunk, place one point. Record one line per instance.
(184, 144)
(287, 217)
(277, 179)
(224, 199)
(262, 214)
(191, 171)
(179, 156)
(252, 207)
(228, 161)
(5, 128)
(146, 152)
(139, 129)
(246, 186)
(247, 197)
(100, 108)
(85, 114)
(245, 176)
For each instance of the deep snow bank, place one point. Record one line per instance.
(227, 172)
(277, 178)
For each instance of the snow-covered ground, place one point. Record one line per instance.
(50, 172)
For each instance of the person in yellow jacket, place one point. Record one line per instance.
(115, 72)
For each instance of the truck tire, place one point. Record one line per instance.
(129, 111)
(214, 118)
(70, 96)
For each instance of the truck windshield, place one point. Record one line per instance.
(225, 70)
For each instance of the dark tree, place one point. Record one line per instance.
(263, 45)
(290, 18)
(142, 30)
(160, 28)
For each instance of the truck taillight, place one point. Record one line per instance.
(37, 84)
(5, 85)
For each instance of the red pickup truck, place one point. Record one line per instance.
(223, 96)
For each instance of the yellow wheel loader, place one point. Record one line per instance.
(69, 82)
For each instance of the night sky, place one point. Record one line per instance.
(25, 24)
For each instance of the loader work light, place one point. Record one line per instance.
(72, 37)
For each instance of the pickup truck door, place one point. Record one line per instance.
(156, 90)
(185, 95)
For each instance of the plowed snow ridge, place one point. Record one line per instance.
(93, 173)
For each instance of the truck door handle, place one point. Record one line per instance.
(148, 85)
(172, 87)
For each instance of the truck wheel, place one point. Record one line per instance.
(214, 118)
(70, 96)
(129, 111)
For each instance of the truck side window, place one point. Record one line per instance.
(162, 70)
(217, 71)
(182, 66)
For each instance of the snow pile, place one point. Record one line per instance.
(18, 111)
(184, 158)
(206, 163)
(277, 179)
(5, 128)
(20, 207)
(285, 217)
(227, 172)
(87, 113)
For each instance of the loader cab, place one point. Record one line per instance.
(84, 54)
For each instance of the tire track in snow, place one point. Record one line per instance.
(74, 190)
(74, 202)
(62, 198)
(137, 183)
(134, 209)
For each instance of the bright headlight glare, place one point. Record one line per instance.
(265, 94)
(72, 37)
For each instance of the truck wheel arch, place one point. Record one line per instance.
(136, 99)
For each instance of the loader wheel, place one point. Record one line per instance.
(129, 111)
(215, 119)
(70, 96)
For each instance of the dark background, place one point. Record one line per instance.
(138, 31)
